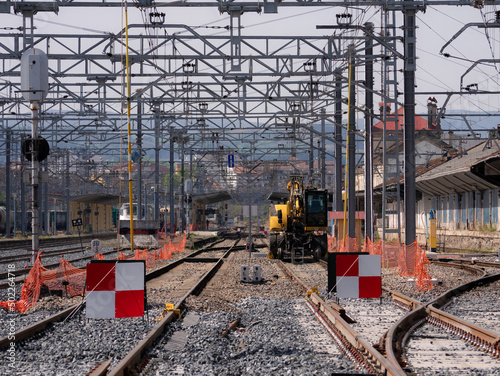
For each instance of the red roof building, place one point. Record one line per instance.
(420, 123)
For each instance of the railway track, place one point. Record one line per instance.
(432, 347)
(372, 334)
(18, 275)
(27, 256)
(369, 322)
(54, 241)
(73, 315)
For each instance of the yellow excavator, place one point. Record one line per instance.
(298, 221)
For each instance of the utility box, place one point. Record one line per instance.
(34, 75)
(257, 273)
(244, 273)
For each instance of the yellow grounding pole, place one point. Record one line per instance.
(129, 136)
(347, 149)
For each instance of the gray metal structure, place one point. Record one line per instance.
(227, 93)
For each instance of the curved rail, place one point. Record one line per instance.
(356, 347)
(471, 268)
(480, 337)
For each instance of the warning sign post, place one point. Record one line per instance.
(115, 289)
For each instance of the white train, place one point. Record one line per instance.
(145, 227)
(146, 212)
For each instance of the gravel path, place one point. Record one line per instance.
(445, 278)
(74, 346)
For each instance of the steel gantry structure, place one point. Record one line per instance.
(230, 87)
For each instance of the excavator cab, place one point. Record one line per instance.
(316, 202)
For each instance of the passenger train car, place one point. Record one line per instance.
(145, 227)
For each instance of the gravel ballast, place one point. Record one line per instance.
(277, 333)
(275, 337)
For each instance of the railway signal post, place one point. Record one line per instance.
(34, 88)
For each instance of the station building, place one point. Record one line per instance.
(95, 211)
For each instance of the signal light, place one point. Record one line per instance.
(39, 147)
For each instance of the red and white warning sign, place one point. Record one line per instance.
(358, 276)
(115, 289)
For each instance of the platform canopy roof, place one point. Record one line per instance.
(98, 198)
(212, 198)
(477, 169)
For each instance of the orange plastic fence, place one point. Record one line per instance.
(71, 280)
(30, 291)
(423, 279)
(410, 260)
(65, 278)
(350, 245)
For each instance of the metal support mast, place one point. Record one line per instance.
(172, 195)
(323, 149)
(8, 194)
(390, 138)
(139, 162)
(67, 189)
(368, 134)
(157, 163)
(35, 224)
(409, 116)
(338, 143)
(351, 146)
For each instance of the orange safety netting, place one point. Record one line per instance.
(423, 279)
(65, 278)
(30, 291)
(349, 245)
(178, 247)
(410, 261)
(71, 280)
(331, 243)
(148, 256)
(164, 253)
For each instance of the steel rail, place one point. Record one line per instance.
(403, 301)
(469, 268)
(27, 256)
(11, 244)
(20, 272)
(134, 357)
(471, 262)
(484, 339)
(355, 346)
(100, 369)
(480, 337)
(37, 327)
